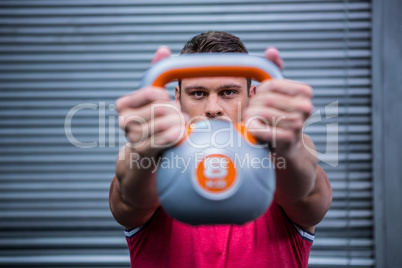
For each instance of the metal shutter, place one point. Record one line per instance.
(55, 55)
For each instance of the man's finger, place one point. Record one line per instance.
(272, 54)
(287, 87)
(273, 135)
(142, 97)
(161, 141)
(164, 123)
(143, 115)
(161, 53)
(284, 102)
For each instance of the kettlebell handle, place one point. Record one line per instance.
(209, 65)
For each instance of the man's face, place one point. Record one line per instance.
(214, 97)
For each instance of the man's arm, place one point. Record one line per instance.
(149, 128)
(133, 194)
(303, 189)
(132, 197)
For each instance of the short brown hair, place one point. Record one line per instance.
(215, 42)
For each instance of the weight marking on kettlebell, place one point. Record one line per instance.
(216, 176)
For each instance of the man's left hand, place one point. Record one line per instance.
(276, 114)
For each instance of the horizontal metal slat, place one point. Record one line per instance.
(189, 26)
(90, 186)
(349, 213)
(54, 150)
(92, 195)
(61, 224)
(118, 56)
(94, 122)
(59, 159)
(55, 186)
(73, 175)
(94, 131)
(261, 17)
(334, 242)
(341, 262)
(317, 41)
(351, 185)
(56, 195)
(118, 88)
(164, 38)
(58, 214)
(340, 174)
(128, 75)
(352, 195)
(316, 137)
(332, 227)
(314, 67)
(63, 3)
(108, 168)
(351, 204)
(66, 261)
(88, 159)
(32, 205)
(110, 95)
(182, 9)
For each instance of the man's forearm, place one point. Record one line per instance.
(297, 179)
(137, 183)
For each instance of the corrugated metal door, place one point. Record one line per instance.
(55, 55)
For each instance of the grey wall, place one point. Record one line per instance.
(387, 131)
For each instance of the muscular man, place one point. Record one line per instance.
(283, 235)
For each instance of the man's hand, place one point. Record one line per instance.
(278, 111)
(150, 119)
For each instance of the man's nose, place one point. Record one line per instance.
(213, 108)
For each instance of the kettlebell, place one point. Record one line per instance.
(218, 173)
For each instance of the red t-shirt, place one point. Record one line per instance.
(270, 241)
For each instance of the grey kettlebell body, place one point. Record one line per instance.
(216, 176)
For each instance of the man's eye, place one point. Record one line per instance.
(228, 92)
(198, 94)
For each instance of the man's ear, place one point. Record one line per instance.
(253, 91)
(177, 95)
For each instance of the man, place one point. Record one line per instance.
(282, 237)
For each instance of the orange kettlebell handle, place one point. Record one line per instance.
(208, 65)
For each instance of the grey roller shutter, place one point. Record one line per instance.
(55, 55)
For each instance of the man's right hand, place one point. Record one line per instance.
(151, 121)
